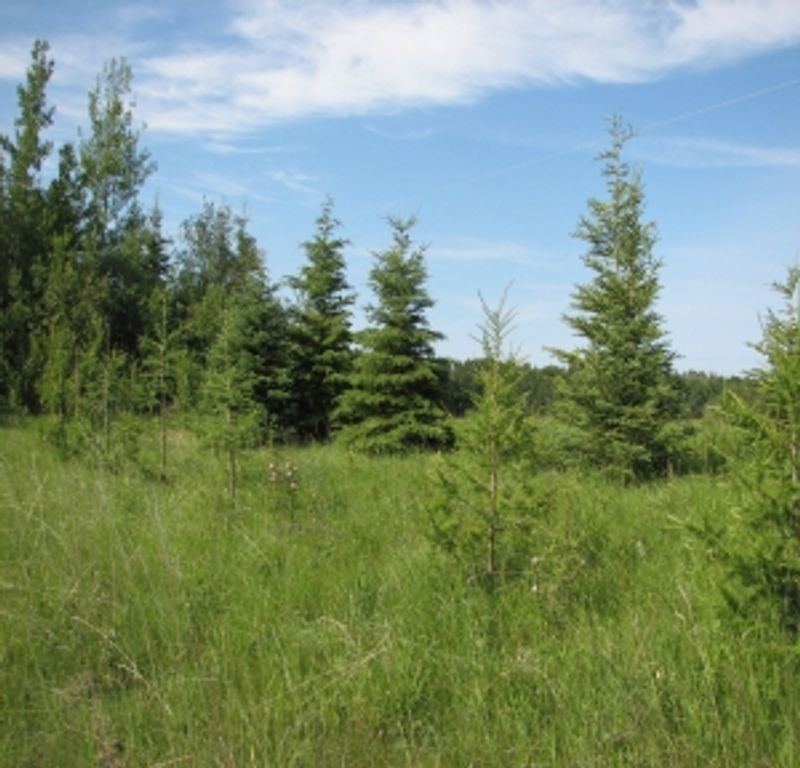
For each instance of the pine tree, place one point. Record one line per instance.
(486, 506)
(392, 403)
(621, 384)
(221, 259)
(321, 339)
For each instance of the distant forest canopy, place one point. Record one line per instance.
(104, 313)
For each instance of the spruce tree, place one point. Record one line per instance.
(392, 404)
(320, 335)
(485, 506)
(620, 385)
(221, 259)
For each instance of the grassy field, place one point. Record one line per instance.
(313, 623)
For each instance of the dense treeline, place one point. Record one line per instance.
(104, 313)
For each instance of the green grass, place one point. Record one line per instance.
(158, 624)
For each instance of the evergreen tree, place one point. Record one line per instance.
(321, 339)
(486, 506)
(765, 556)
(220, 260)
(24, 242)
(392, 403)
(621, 384)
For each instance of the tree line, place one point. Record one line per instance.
(103, 314)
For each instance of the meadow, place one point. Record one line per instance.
(313, 621)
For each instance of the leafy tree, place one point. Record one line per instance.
(321, 338)
(392, 403)
(766, 555)
(114, 166)
(620, 386)
(23, 236)
(486, 507)
(123, 245)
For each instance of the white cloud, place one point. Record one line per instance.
(275, 60)
(286, 60)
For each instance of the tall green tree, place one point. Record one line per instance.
(320, 330)
(24, 245)
(122, 243)
(620, 385)
(392, 403)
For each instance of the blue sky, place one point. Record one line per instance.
(481, 118)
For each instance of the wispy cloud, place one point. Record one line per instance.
(13, 60)
(296, 181)
(690, 152)
(293, 59)
(265, 61)
(226, 148)
(214, 185)
(477, 250)
(418, 134)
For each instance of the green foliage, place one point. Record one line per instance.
(160, 363)
(23, 234)
(220, 260)
(234, 419)
(621, 386)
(122, 245)
(321, 340)
(317, 625)
(114, 166)
(486, 506)
(392, 403)
(764, 547)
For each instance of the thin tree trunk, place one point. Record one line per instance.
(162, 419)
(232, 472)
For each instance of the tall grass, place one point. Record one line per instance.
(156, 624)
